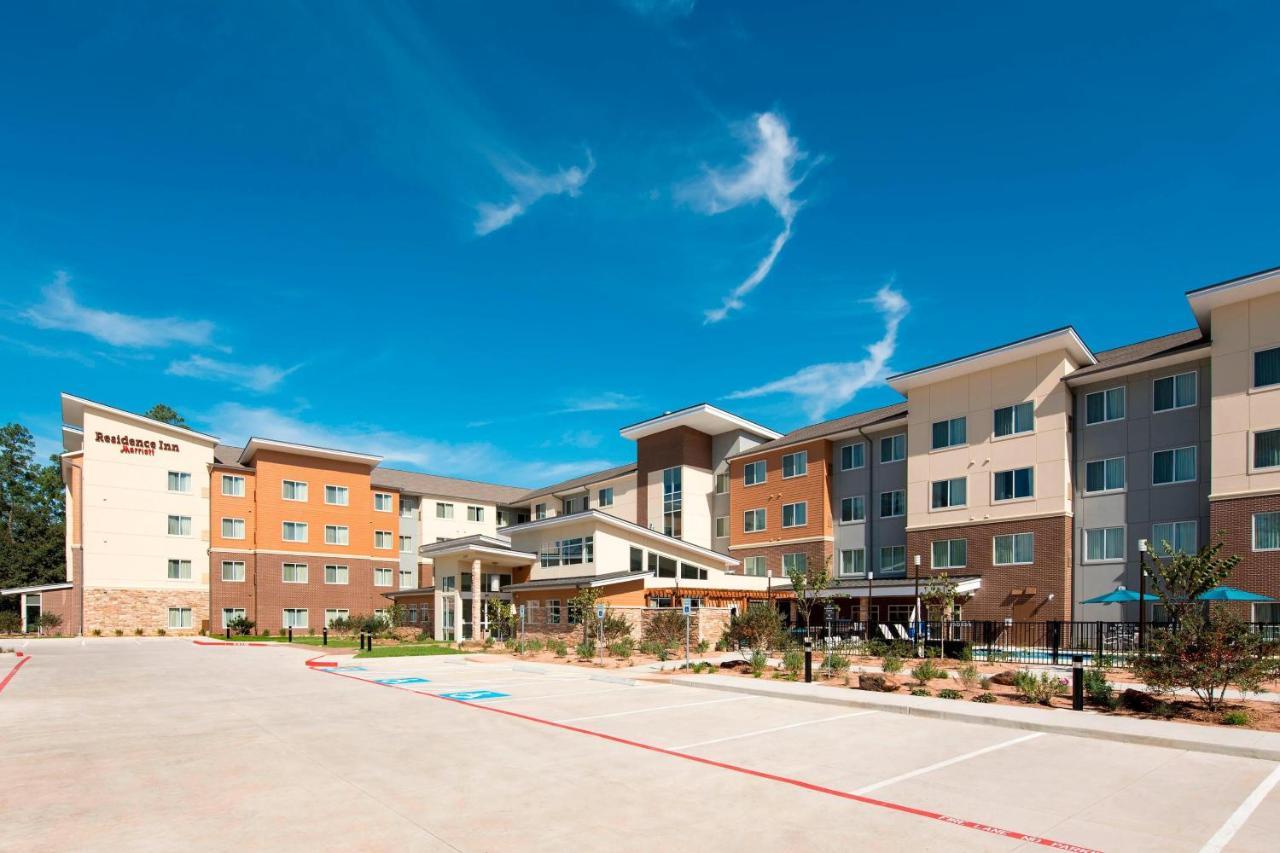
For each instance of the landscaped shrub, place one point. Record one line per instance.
(119, 632)
(160, 632)
(667, 627)
(586, 649)
(241, 626)
(920, 691)
(837, 663)
(984, 683)
(760, 627)
(927, 671)
(1041, 689)
(559, 648)
(622, 647)
(10, 622)
(97, 632)
(965, 653)
(722, 645)
(892, 664)
(985, 698)
(950, 693)
(137, 632)
(1098, 690)
(533, 646)
(1163, 710)
(703, 647)
(968, 675)
(49, 622)
(759, 660)
(1235, 718)
(875, 648)
(663, 653)
(792, 663)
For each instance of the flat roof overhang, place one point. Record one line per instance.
(255, 444)
(621, 524)
(486, 548)
(73, 409)
(1204, 299)
(703, 417)
(1064, 338)
(47, 587)
(894, 587)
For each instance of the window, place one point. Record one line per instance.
(1103, 406)
(948, 493)
(332, 614)
(1266, 531)
(444, 510)
(1174, 392)
(503, 518)
(1173, 466)
(795, 464)
(336, 495)
(475, 513)
(233, 485)
(294, 531)
(950, 553)
(407, 507)
(179, 570)
(553, 611)
(797, 562)
(722, 526)
(690, 572)
(795, 515)
(1266, 367)
(179, 617)
(672, 501)
(853, 456)
(637, 559)
(293, 490)
(180, 482)
(893, 560)
(336, 574)
(1103, 544)
(604, 497)
(406, 544)
(231, 614)
(293, 572)
(407, 580)
(1104, 475)
(663, 567)
(575, 614)
(754, 566)
(233, 571)
(893, 504)
(1014, 549)
(660, 602)
(853, 563)
(540, 511)
(722, 484)
(336, 534)
(385, 577)
(233, 528)
(949, 433)
(411, 615)
(1015, 420)
(1180, 536)
(382, 539)
(1013, 485)
(1266, 449)
(448, 583)
(754, 472)
(853, 509)
(382, 503)
(753, 521)
(179, 525)
(567, 552)
(295, 617)
(893, 448)
(1266, 614)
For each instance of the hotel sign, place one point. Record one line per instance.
(140, 446)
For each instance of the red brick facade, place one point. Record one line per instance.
(817, 553)
(1232, 520)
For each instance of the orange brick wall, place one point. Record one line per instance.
(813, 488)
(223, 506)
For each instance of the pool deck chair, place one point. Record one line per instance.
(888, 635)
(902, 633)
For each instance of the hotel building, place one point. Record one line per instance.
(1028, 471)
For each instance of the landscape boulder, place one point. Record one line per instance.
(878, 682)
(1005, 678)
(1138, 700)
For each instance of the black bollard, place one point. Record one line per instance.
(291, 633)
(325, 640)
(228, 630)
(808, 660)
(1077, 682)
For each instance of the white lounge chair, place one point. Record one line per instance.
(902, 633)
(888, 635)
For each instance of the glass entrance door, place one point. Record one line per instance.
(32, 611)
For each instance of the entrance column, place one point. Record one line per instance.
(477, 602)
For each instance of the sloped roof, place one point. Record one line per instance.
(584, 480)
(835, 426)
(449, 487)
(1151, 348)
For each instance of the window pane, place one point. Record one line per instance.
(1162, 467)
(1115, 473)
(959, 491)
(1266, 448)
(1022, 483)
(1115, 404)
(940, 554)
(1003, 485)
(940, 435)
(1185, 464)
(1185, 389)
(1093, 544)
(1266, 367)
(939, 498)
(1163, 394)
(1022, 548)
(1266, 531)
(1023, 417)
(1004, 550)
(1095, 407)
(1004, 421)
(1094, 476)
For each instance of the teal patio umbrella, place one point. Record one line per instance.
(1119, 595)
(1230, 593)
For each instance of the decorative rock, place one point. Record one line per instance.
(878, 682)
(1005, 678)
(1138, 700)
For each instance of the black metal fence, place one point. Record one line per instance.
(1052, 642)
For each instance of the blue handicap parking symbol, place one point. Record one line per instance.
(401, 680)
(350, 668)
(474, 695)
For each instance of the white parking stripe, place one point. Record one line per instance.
(1223, 836)
(658, 708)
(774, 729)
(560, 695)
(941, 764)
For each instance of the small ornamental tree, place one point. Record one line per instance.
(502, 618)
(395, 615)
(1181, 578)
(242, 627)
(759, 628)
(584, 604)
(1206, 656)
(667, 627)
(939, 597)
(808, 583)
(49, 622)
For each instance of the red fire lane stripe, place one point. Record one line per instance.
(773, 777)
(17, 666)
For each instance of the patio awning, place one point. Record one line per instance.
(895, 587)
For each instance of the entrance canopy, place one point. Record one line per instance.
(491, 549)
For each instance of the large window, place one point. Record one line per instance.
(948, 493)
(408, 506)
(232, 485)
(386, 577)
(1103, 406)
(795, 515)
(753, 521)
(476, 513)
(1015, 420)
(949, 433)
(672, 500)
(690, 572)
(853, 456)
(444, 510)
(893, 448)
(293, 490)
(333, 613)
(231, 614)
(853, 509)
(1174, 392)
(233, 528)
(893, 504)
(553, 611)
(294, 617)
(853, 563)
(180, 482)
(293, 531)
(407, 580)
(754, 566)
(663, 567)
(1103, 544)
(1266, 367)
(293, 572)
(337, 534)
(383, 539)
(637, 559)
(754, 472)
(893, 561)
(539, 511)
(1173, 466)
(795, 464)
(796, 562)
(1266, 449)
(1266, 531)
(337, 574)
(179, 525)
(568, 552)
(604, 497)
(1104, 475)
(233, 571)
(950, 553)
(179, 617)
(1014, 549)
(336, 495)
(1012, 485)
(179, 570)
(577, 504)
(382, 502)
(1179, 536)
(406, 544)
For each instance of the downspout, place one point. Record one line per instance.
(869, 527)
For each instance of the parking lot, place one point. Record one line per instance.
(139, 744)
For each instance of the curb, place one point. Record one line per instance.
(1238, 743)
(614, 679)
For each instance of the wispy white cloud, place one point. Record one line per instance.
(46, 352)
(528, 185)
(821, 388)
(255, 377)
(581, 438)
(766, 174)
(60, 310)
(660, 9)
(608, 401)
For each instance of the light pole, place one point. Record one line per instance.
(917, 626)
(868, 604)
(1142, 595)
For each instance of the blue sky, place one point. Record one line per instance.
(479, 237)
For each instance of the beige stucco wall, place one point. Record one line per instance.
(1238, 411)
(434, 528)
(976, 396)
